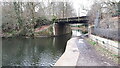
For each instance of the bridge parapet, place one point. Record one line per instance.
(83, 19)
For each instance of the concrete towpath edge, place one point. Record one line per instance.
(71, 54)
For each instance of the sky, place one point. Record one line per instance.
(79, 4)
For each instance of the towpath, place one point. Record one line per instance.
(90, 57)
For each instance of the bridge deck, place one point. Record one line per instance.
(82, 19)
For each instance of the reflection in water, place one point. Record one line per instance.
(76, 33)
(33, 52)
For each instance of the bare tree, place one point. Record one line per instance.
(23, 17)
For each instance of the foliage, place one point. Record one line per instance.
(41, 21)
(84, 32)
(54, 19)
(79, 26)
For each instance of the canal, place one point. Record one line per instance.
(76, 32)
(33, 52)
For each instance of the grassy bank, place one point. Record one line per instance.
(102, 51)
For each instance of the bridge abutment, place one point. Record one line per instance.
(61, 29)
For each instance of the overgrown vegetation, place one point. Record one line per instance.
(104, 17)
(22, 18)
(42, 21)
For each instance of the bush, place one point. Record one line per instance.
(84, 32)
(54, 19)
(41, 21)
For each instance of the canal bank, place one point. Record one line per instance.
(71, 54)
(80, 53)
(53, 30)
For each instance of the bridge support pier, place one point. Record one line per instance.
(61, 29)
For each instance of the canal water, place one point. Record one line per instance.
(33, 52)
(76, 32)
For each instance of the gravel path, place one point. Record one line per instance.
(90, 57)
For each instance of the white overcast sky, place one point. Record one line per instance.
(79, 4)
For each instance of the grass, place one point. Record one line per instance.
(92, 42)
(103, 51)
